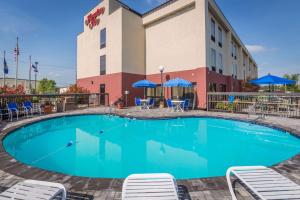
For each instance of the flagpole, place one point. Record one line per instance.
(4, 71)
(29, 74)
(17, 62)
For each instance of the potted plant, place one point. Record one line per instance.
(120, 103)
(48, 107)
(161, 103)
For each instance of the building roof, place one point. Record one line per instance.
(168, 2)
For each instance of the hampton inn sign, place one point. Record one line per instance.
(93, 18)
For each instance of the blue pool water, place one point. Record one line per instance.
(114, 147)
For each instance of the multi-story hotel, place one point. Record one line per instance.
(192, 39)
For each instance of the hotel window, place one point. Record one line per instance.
(102, 65)
(103, 38)
(220, 63)
(213, 60)
(213, 30)
(220, 37)
(222, 87)
(234, 70)
(212, 87)
(233, 51)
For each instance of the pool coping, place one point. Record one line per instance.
(10, 165)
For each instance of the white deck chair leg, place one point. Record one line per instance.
(231, 190)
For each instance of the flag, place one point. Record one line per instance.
(17, 50)
(35, 68)
(5, 69)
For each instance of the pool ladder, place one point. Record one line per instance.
(112, 110)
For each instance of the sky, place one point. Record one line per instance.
(47, 30)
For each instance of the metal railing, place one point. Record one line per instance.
(57, 102)
(279, 104)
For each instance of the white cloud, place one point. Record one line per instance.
(256, 48)
(259, 48)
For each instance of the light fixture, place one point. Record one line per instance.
(161, 68)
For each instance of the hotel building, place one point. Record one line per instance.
(192, 39)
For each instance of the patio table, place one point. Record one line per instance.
(178, 105)
(144, 103)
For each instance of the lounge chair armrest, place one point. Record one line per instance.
(49, 184)
(231, 169)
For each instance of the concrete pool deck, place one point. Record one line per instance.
(12, 171)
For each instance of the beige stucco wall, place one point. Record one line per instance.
(88, 43)
(133, 43)
(125, 43)
(175, 37)
(214, 12)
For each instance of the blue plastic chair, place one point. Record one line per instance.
(137, 101)
(231, 99)
(12, 107)
(186, 104)
(170, 104)
(27, 105)
(151, 103)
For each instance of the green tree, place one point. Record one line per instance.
(46, 86)
(292, 87)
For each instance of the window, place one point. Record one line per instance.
(234, 70)
(212, 87)
(213, 60)
(220, 63)
(220, 37)
(222, 87)
(102, 65)
(183, 92)
(233, 50)
(103, 38)
(213, 30)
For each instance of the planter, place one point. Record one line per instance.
(48, 109)
(161, 104)
(120, 105)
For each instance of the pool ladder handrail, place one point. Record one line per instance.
(112, 109)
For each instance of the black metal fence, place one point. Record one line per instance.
(56, 102)
(280, 104)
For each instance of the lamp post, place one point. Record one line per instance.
(161, 69)
(126, 97)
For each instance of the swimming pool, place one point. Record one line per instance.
(114, 147)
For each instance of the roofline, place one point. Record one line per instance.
(235, 33)
(168, 2)
(123, 5)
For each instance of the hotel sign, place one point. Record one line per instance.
(93, 18)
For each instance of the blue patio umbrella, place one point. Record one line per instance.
(144, 84)
(178, 82)
(272, 80)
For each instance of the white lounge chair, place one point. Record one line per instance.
(35, 190)
(150, 187)
(263, 183)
